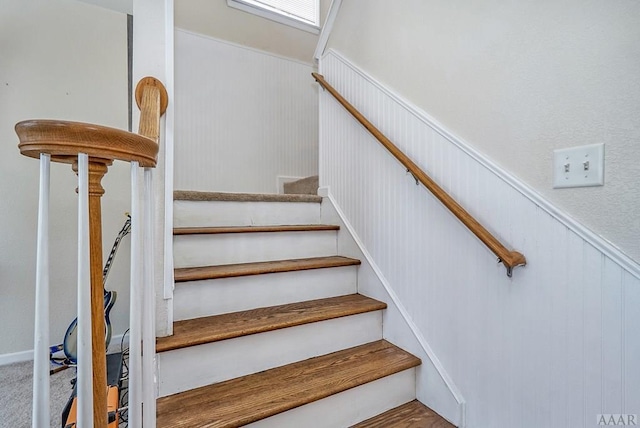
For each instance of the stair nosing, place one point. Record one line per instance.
(376, 365)
(203, 330)
(213, 230)
(203, 196)
(261, 268)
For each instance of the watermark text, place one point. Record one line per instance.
(617, 420)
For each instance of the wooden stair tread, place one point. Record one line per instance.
(250, 229)
(258, 268)
(220, 327)
(190, 195)
(250, 398)
(411, 415)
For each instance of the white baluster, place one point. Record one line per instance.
(135, 307)
(40, 411)
(148, 310)
(85, 363)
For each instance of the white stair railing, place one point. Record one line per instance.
(136, 293)
(148, 311)
(92, 148)
(85, 358)
(142, 395)
(40, 413)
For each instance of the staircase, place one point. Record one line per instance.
(269, 329)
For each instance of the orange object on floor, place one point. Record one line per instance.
(112, 409)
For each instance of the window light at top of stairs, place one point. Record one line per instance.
(301, 14)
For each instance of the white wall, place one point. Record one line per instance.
(214, 18)
(59, 59)
(243, 117)
(552, 347)
(517, 80)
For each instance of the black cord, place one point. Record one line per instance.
(124, 394)
(122, 341)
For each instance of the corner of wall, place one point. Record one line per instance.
(334, 8)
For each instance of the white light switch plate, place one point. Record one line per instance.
(579, 166)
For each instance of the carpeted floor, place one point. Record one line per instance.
(306, 186)
(16, 386)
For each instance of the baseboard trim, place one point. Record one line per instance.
(16, 357)
(22, 356)
(453, 389)
(601, 244)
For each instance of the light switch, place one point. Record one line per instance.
(579, 166)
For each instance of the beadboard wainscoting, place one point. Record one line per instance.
(243, 117)
(553, 346)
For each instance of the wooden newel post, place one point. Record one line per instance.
(97, 170)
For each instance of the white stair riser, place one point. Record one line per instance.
(195, 366)
(228, 248)
(348, 407)
(196, 299)
(232, 213)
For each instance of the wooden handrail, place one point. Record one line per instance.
(152, 100)
(510, 259)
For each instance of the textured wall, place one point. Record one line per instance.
(59, 59)
(243, 117)
(518, 79)
(552, 347)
